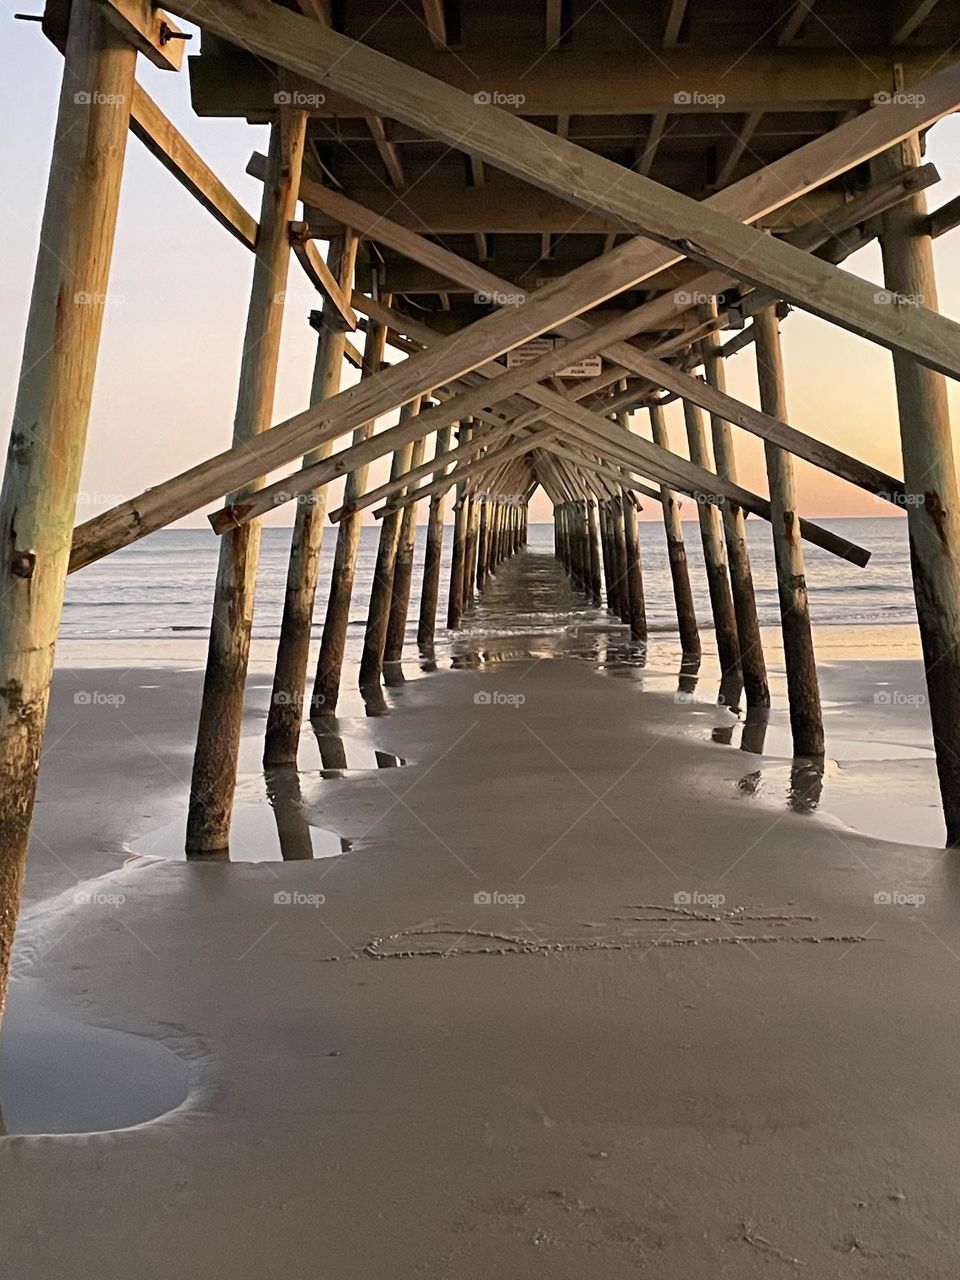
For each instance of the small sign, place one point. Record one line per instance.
(527, 352)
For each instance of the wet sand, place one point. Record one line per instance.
(586, 996)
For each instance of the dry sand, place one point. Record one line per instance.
(603, 1079)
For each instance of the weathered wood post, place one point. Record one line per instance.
(403, 569)
(593, 551)
(753, 666)
(483, 532)
(806, 718)
(714, 550)
(285, 714)
(455, 596)
(45, 453)
(620, 554)
(930, 480)
(676, 550)
(470, 549)
(326, 685)
(432, 552)
(609, 566)
(637, 611)
(221, 711)
(381, 589)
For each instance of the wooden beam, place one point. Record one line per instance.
(320, 275)
(644, 161)
(793, 22)
(436, 22)
(740, 144)
(163, 140)
(676, 12)
(550, 308)
(553, 24)
(388, 152)
(593, 83)
(942, 220)
(910, 14)
(45, 452)
(151, 31)
(641, 205)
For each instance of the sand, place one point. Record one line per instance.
(677, 1033)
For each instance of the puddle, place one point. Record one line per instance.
(60, 1076)
(269, 825)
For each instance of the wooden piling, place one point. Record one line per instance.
(326, 687)
(455, 595)
(714, 549)
(470, 549)
(676, 550)
(285, 714)
(45, 452)
(930, 480)
(381, 589)
(637, 612)
(403, 570)
(755, 685)
(483, 531)
(433, 550)
(806, 717)
(620, 555)
(221, 711)
(593, 553)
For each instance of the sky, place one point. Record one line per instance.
(170, 355)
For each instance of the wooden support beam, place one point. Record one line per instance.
(676, 12)
(714, 556)
(553, 24)
(285, 714)
(388, 152)
(326, 685)
(806, 716)
(755, 685)
(45, 452)
(740, 144)
(909, 15)
(432, 551)
(637, 203)
(436, 22)
(595, 81)
(163, 140)
(793, 22)
(644, 162)
(455, 592)
(381, 590)
(221, 712)
(151, 31)
(930, 481)
(548, 309)
(941, 220)
(320, 275)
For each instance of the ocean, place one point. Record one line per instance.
(162, 586)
